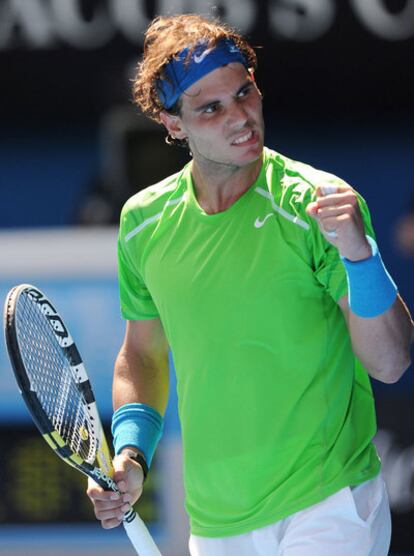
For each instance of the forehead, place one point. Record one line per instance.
(220, 82)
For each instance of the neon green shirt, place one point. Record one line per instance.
(276, 412)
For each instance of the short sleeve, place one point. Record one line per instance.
(136, 300)
(329, 269)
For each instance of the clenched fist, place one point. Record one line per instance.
(340, 220)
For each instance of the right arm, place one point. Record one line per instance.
(141, 368)
(141, 375)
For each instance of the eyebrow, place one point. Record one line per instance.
(205, 105)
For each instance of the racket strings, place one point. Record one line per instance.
(51, 377)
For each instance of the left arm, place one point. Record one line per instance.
(381, 342)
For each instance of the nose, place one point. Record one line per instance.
(237, 115)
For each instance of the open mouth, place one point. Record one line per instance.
(248, 136)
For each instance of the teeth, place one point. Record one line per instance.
(243, 138)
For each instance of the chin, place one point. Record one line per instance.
(251, 156)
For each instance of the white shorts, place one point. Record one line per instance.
(353, 521)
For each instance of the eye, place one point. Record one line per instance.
(210, 109)
(244, 91)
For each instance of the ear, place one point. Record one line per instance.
(173, 125)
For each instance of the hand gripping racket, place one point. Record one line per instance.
(55, 386)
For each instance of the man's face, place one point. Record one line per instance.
(222, 118)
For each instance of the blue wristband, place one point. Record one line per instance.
(137, 425)
(371, 290)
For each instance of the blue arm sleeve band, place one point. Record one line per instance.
(137, 425)
(371, 290)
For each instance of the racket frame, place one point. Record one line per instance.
(102, 475)
(133, 524)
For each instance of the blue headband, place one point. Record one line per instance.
(182, 73)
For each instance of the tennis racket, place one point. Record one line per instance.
(57, 391)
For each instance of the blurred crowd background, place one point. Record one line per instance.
(338, 85)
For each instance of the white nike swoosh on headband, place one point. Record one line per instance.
(198, 58)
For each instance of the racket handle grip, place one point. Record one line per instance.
(139, 536)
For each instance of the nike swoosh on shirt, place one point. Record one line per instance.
(260, 223)
(198, 58)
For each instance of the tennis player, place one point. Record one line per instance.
(263, 276)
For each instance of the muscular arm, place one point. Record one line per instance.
(141, 375)
(141, 368)
(382, 343)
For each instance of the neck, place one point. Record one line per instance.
(218, 186)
